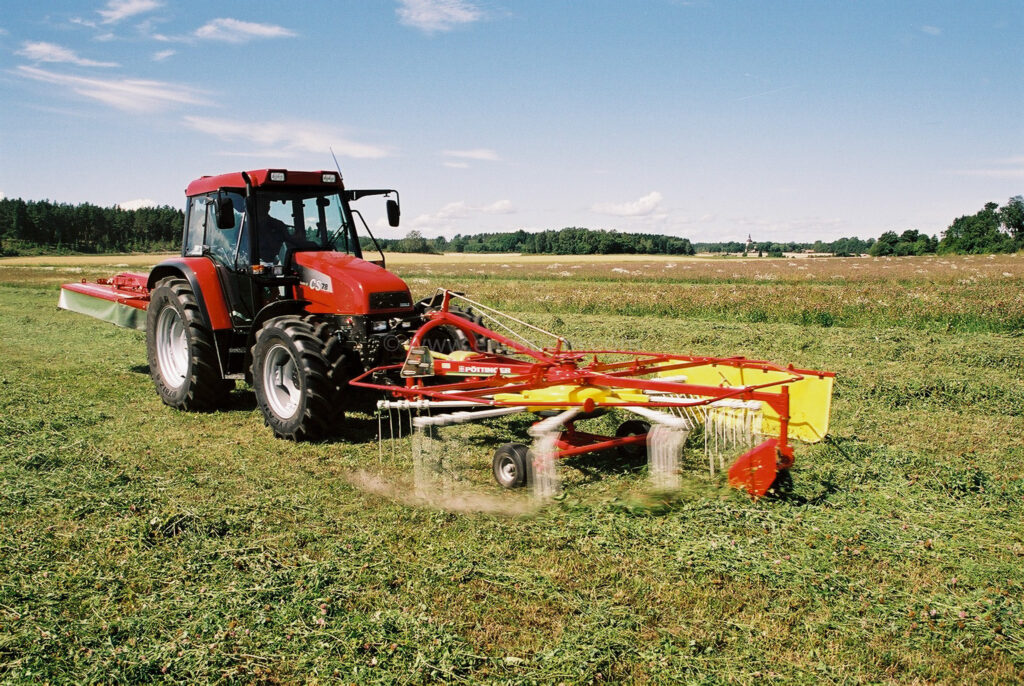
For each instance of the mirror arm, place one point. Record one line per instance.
(372, 237)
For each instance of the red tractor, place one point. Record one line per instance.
(271, 287)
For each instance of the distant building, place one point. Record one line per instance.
(750, 244)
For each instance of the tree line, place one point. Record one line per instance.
(577, 241)
(47, 227)
(567, 241)
(42, 226)
(993, 229)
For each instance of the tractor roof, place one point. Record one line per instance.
(264, 177)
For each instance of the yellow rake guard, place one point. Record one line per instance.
(575, 394)
(810, 398)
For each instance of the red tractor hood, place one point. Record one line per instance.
(338, 283)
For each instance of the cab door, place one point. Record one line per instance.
(228, 247)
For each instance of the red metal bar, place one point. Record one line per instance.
(597, 444)
(443, 317)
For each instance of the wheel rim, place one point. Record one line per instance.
(281, 382)
(507, 471)
(171, 348)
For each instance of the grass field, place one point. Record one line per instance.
(142, 544)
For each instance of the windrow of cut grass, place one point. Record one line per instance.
(139, 544)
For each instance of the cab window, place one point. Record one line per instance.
(300, 219)
(195, 228)
(223, 242)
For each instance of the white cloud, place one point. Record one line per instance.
(636, 208)
(931, 30)
(84, 22)
(235, 31)
(122, 9)
(445, 218)
(456, 165)
(994, 173)
(286, 136)
(162, 55)
(259, 154)
(474, 154)
(39, 51)
(437, 15)
(132, 95)
(499, 207)
(1005, 168)
(137, 204)
(453, 210)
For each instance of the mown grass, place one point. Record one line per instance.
(141, 544)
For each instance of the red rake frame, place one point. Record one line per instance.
(484, 375)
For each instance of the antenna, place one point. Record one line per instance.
(336, 165)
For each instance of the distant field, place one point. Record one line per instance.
(141, 544)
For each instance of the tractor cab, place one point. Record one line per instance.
(253, 225)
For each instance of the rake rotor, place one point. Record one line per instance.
(756, 406)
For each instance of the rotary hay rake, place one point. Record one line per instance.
(458, 370)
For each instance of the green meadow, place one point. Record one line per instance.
(141, 544)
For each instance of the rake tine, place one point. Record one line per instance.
(391, 425)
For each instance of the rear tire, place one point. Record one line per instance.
(290, 375)
(181, 350)
(511, 465)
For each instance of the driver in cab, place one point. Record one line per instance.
(278, 238)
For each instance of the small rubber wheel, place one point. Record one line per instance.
(632, 427)
(511, 465)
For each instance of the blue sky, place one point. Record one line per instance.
(709, 119)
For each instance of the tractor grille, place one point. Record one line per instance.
(390, 300)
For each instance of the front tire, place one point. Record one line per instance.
(290, 375)
(181, 351)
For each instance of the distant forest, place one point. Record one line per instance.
(576, 241)
(993, 229)
(44, 227)
(40, 227)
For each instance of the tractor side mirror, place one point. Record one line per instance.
(225, 212)
(394, 213)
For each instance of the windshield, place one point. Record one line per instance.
(302, 219)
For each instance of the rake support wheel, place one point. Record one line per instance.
(291, 377)
(181, 351)
(632, 427)
(511, 465)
